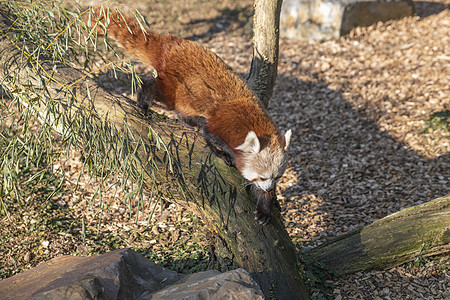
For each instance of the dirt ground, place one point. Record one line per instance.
(362, 147)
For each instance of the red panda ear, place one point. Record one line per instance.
(251, 143)
(286, 139)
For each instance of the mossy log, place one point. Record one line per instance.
(189, 174)
(422, 230)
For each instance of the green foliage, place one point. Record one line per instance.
(439, 121)
(319, 279)
(43, 29)
(181, 258)
(21, 153)
(418, 262)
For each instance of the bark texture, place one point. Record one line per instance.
(422, 230)
(189, 174)
(263, 71)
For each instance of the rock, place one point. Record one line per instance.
(328, 19)
(123, 274)
(236, 284)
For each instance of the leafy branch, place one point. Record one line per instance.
(41, 29)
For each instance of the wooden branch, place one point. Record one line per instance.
(199, 180)
(422, 230)
(263, 71)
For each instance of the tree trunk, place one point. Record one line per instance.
(422, 230)
(263, 71)
(188, 172)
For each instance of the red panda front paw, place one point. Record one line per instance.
(263, 212)
(262, 217)
(228, 160)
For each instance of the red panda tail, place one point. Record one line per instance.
(136, 40)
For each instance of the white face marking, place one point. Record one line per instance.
(266, 185)
(264, 181)
(250, 175)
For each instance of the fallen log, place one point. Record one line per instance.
(422, 230)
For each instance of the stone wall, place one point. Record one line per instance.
(329, 19)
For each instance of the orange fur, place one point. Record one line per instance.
(196, 82)
(205, 92)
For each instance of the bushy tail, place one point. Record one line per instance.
(135, 38)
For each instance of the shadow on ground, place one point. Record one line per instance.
(356, 172)
(425, 9)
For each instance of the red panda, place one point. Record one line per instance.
(207, 94)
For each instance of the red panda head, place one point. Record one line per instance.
(263, 166)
